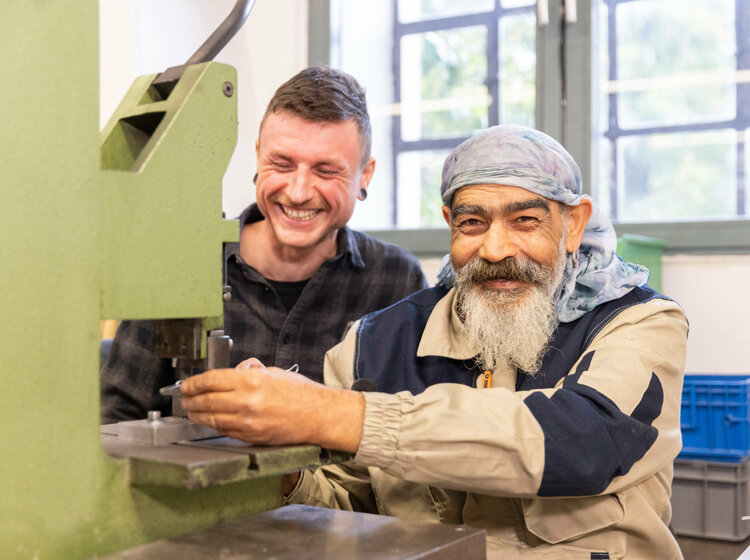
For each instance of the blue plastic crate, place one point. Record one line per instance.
(714, 417)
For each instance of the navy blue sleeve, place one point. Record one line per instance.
(588, 439)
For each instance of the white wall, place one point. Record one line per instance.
(713, 291)
(147, 36)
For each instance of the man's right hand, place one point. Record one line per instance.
(271, 406)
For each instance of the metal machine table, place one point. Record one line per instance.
(297, 531)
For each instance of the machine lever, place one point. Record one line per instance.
(165, 82)
(223, 34)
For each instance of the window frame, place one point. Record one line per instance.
(489, 20)
(565, 84)
(730, 236)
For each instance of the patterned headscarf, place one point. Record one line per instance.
(523, 157)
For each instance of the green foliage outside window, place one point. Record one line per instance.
(454, 70)
(679, 51)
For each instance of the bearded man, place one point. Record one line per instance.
(537, 398)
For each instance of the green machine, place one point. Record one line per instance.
(122, 224)
(127, 223)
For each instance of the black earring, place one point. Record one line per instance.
(363, 194)
(255, 179)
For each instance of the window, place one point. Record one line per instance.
(652, 98)
(454, 68)
(674, 106)
(459, 68)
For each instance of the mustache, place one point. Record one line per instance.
(513, 269)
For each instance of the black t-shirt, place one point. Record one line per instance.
(289, 292)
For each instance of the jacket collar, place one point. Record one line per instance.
(444, 334)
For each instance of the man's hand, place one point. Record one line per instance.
(271, 406)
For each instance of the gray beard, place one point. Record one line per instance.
(510, 328)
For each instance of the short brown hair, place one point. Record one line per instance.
(325, 94)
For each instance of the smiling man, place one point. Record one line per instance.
(312, 166)
(509, 248)
(534, 393)
(299, 275)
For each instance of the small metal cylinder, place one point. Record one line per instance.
(218, 345)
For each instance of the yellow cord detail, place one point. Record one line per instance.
(487, 379)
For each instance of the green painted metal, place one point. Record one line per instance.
(73, 237)
(211, 462)
(162, 166)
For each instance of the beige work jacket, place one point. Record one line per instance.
(463, 455)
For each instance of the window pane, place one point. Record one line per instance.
(443, 93)
(518, 69)
(676, 61)
(419, 177)
(670, 112)
(677, 176)
(443, 89)
(416, 10)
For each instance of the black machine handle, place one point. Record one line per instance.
(165, 82)
(223, 34)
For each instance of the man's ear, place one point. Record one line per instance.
(367, 170)
(578, 217)
(447, 214)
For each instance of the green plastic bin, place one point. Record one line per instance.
(646, 251)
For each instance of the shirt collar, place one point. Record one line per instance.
(250, 214)
(444, 334)
(347, 246)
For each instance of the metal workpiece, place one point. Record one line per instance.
(162, 431)
(173, 392)
(169, 391)
(296, 531)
